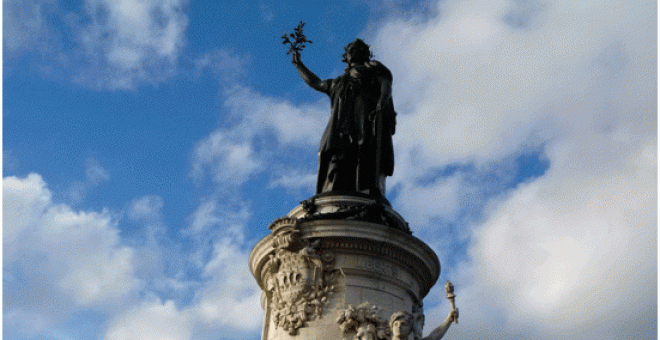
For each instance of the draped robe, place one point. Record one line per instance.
(356, 152)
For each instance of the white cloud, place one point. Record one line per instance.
(151, 320)
(264, 128)
(204, 217)
(574, 252)
(482, 102)
(95, 174)
(59, 260)
(228, 159)
(146, 208)
(229, 285)
(110, 44)
(571, 254)
(223, 299)
(134, 42)
(227, 215)
(294, 180)
(24, 24)
(422, 203)
(225, 304)
(223, 63)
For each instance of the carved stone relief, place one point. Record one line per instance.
(299, 277)
(418, 320)
(365, 321)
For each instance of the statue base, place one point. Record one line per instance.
(339, 265)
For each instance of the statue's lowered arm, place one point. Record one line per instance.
(385, 92)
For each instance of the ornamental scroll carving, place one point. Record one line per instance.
(299, 277)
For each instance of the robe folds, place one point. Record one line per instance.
(356, 151)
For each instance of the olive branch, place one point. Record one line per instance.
(299, 39)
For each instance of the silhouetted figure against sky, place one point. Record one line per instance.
(356, 151)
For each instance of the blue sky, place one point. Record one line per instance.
(148, 144)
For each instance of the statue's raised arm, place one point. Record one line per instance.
(308, 76)
(440, 331)
(356, 152)
(295, 47)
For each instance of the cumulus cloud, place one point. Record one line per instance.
(114, 45)
(216, 219)
(222, 63)
(569, 254)
(294, 180)
(57, 260)
(95, 174)
(151, 320)
(229, 288)
(224, 305)
(146, 208)
(221, 301)
(134, 42)
(486, 85)
(576, 233)
(262, 129)
(24, 25)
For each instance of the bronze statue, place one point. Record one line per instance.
(356, 152)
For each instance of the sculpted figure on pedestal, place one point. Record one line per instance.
(366, 332)
(366, 321)
(401, 324)
(356, 152)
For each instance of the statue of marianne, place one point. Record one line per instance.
(356, 152)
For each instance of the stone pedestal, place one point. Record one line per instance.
(339, 265)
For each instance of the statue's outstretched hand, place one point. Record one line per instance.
(295, 58)
(453, 315)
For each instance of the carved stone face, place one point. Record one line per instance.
(401, 328)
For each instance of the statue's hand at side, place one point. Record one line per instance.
(373, 114)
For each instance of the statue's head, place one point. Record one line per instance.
(401, 324)
(357, 51)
